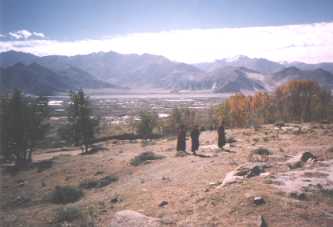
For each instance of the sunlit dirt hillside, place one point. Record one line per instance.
(238, 187)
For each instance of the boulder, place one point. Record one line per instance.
(300, 159)
(244, 171)
(129, 218)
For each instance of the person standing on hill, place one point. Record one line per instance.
(221, 135)
(195, 139)
(181, 139)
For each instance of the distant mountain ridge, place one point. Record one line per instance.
(111, 69)
(257, 64)
(38, 80)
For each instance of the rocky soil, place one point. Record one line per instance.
(279, 185)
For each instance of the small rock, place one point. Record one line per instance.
(166, 178)
(258, 200)
(300, 159)
(116, 199)
(227, 146)
(298, 195)
(215, 183)
(262, 222)
(163, 203)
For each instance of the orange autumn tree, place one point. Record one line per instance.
(262, 108)
(236, 110)
(297, 100)
(302, 100)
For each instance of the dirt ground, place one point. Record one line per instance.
(191, 185)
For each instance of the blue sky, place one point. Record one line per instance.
(77, 19)
(66, 25)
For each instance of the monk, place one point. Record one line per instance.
(195, 139)
(181, 139)
(221, 135)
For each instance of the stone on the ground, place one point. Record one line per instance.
(129, 218)
(245, 171)
(116, 199)
(300, 159)
(258, 200)
(227, 146)
(209, 148)
(163, 203)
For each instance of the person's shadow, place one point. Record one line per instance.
(202, 155)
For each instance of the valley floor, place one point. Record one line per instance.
(190, 185)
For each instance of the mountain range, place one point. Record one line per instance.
(55, 73)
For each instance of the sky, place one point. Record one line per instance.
(189, 31)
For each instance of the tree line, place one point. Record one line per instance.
(24, 119)
(24, 123)
(295, 101)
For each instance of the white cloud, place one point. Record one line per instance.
(38, 34)
(25, 34)
(20, 34)
(309, 43)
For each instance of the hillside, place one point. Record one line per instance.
(185, 191)
(257, 64)
(237, 79)
(38, 80)
(324, 78)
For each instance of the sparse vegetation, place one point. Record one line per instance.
(147, 124)
(279, 124)
(259, 155)
(89, 184)
(327, 192)
(178, 117)
(261, 151)
(145, 156)
(65, 194)
(44, 165)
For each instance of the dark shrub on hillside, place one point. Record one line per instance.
(88, 184)
(44, 165)
(279, 124)
(259, 155)
(65, 194)
(261, 151)
(145, 156)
